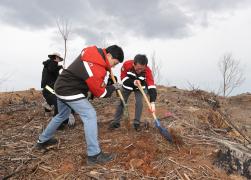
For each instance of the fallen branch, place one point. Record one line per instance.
(186, 176)
(179, 174)
(18, 169)
(180, 165)
(230, 124)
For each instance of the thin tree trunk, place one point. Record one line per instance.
(65, 49)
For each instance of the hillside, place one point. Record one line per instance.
(197, 122)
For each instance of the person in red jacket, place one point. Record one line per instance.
(86, 73)
(134, 72)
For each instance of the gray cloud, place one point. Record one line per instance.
(93, 19)
(213, 5)
(37, 14)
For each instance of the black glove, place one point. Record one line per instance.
(60, 67)
(90, 96)
(110, 81)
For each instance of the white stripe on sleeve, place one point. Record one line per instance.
(142, 78)
(88, 69)
(127, 87)
(103, 95)
(123, 80)
(131, 73)
(151, 87)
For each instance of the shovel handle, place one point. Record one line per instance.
(163, 131)
(147, 101)
(119, 92)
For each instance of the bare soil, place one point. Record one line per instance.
(196, 117)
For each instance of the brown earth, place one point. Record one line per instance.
(196, 117)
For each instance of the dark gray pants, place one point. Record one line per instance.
(138, 106)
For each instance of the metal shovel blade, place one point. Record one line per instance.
(163, 131)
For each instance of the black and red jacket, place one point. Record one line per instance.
(128, 76)
(86, 73)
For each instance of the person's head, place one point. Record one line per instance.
(140, 63)
(55, 57)
(114, 55)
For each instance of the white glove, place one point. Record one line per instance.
(152, 107)
(117, 86)
(61, 70)
(71, 121)
(60, 63)
(47, 106)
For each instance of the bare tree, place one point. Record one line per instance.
(231, 73)
(192, 86)
(64, 29)
(155, 68)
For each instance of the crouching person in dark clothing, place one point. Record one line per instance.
(49, 76)
(86, 73)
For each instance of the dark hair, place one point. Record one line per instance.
(116, 52)
(140, 59)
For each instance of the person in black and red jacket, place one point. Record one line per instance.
(86, 73)
(134, 72)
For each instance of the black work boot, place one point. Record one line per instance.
(114, 125)
(45, 144)
(99, 158)
(136, 126)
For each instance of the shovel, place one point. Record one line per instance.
(126, 112)
(163, 131)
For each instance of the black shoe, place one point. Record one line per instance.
(99, 158)
(114, 125)
(136, 126)
(45, 144)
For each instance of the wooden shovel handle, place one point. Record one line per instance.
(147, 101)
(119, 92)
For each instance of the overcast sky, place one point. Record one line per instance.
(188, 37)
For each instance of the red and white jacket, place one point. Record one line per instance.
(128, 76)
(86, 73)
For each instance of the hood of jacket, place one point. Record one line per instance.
(92, 55)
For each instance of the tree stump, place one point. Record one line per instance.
(234, 157)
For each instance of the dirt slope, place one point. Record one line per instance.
(196, 117)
